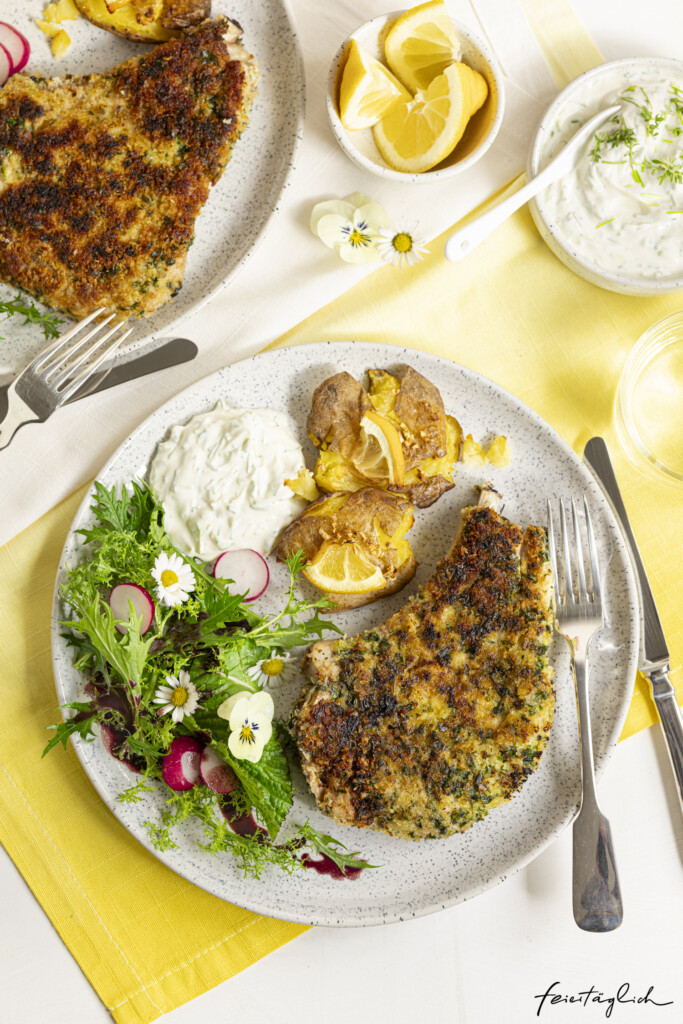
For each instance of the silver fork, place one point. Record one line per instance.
(596, 893)
(60, 370)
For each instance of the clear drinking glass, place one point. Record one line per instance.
(649, 409)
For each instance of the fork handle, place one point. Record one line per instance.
(596, 893)
(18, 413)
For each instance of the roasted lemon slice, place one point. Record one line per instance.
(380, 456)
(419, 133)
(344, 569)
(421, 44)
(367, 89)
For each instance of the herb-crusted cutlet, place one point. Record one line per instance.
(103, 176)
(420, 727)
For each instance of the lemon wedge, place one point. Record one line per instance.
(367, 89)
(344, 569)
(416, 134)
(380, 454)
(421, 44)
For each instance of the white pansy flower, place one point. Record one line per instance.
(401, 246)
(250, 716)
(350, 226)
(175, 579)
(179, 696)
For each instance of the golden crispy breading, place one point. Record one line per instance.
(102, 177)
(421, 726)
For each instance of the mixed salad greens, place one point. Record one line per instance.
(155, 689)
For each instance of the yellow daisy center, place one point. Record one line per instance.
(272, 666)
(402, 242)
(169, 578)
(247, 734)
(179, 696)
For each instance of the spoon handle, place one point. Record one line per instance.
(467, 238)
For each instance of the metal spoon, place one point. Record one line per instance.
(463, 241)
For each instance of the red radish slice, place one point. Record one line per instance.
(218, 775)
(125, 594)
(16, 45)
(246, 568)
(180, 767)
(5, 65)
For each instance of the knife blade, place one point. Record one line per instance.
(654, 653)
(178, 350)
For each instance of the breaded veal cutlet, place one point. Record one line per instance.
(103, 176)
(423, 724)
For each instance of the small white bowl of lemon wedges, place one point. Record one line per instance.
(415, 96)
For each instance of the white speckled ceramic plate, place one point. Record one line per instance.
(242, 204)
(413, 879)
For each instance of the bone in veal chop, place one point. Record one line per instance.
(102, 177)
(423, 724)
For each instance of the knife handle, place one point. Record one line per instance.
(670, 717)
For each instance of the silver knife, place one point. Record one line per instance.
(178, 350)
(654, 653)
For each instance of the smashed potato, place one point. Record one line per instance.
(374, 521)
(145, 21)
(412, 411)
(416, 443)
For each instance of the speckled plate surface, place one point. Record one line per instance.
(241, 205)
(413, 879)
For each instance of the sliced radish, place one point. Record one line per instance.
(5, 65)
(125, 594)
(16, 45)
(246, 568)
(180, 767)
(218, 775)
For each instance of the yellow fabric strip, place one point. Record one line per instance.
(147, 940)
(566, 44)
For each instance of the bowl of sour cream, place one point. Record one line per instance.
(617, 218)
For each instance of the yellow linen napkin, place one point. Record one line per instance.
(147, 940)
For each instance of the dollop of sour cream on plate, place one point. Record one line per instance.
(220, 478)
(621, 209)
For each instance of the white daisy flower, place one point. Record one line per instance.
(250, 716)
(274, 670)
(178, 696)
(175, 579)
(401, 246)
(350, 226)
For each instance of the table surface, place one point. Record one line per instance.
(486, 960)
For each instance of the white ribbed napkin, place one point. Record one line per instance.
(291, 275)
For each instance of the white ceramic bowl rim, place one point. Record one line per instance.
(642, 285)
(438, 172)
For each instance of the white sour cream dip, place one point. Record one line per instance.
(621, 209)
(220, 478)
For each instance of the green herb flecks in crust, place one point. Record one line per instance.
(214, 642)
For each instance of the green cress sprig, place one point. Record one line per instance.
(213, 635)
(19, 306)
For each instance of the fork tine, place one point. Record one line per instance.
(91, 368)
(583, 594)
(559, 588)
(87, 346)
(568, 572)
(593, 553)
(58, 344)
